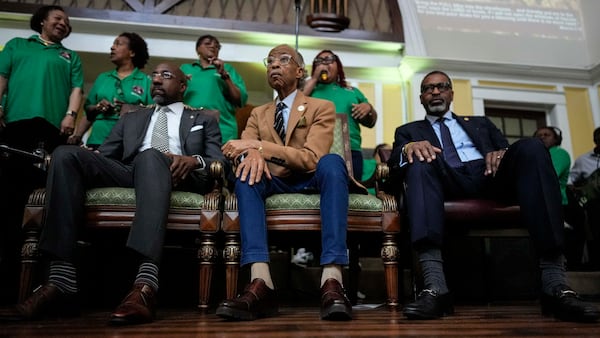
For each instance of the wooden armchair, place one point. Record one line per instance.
(299, 213)
(112, 208)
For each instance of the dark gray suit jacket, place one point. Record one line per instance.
(127, 135)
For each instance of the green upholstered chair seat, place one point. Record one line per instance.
(311, 202)
(126, 197)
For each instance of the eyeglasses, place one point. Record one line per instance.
(325, 61)
(283, 60)
(165, 75)
(442, 87)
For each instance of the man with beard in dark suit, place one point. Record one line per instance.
(446, 157)
(154, 150)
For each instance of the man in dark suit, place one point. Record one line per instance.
(285, 148)
(446, 157)
(154, 150)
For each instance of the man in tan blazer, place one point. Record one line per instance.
(285, 149)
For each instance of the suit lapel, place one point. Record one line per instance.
(142, 122)
(427, 132)
(188, 118)
(296, 112)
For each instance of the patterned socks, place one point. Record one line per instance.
(432, 266)
(553, 273)
(64, 275)
(148, 274)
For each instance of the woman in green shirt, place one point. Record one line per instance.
(43, 82)
(214, 84)
(117, 91)
(328, 82)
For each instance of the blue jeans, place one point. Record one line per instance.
(330, 179)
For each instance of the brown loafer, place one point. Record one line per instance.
(48, 300)
(137, 307)
(257, 301)
(334, 303)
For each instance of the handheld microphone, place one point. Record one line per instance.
(323, 75)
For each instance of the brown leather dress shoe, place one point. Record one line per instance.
(47, 300)
(257, 301)
(334, 303)
(137, 307)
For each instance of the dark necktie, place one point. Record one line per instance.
(160, 132)
(448, 149)
(278, 124)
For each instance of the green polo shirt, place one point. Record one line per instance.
(343, 98)
(206, 88)
(40, 79)
(134, 89)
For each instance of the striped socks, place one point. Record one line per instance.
(64, 275)
(148, 274)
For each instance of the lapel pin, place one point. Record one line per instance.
(301, 108)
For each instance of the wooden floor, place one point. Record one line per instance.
(521, 320)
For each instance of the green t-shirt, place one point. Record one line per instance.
(343, 98)
(134, 89)
(40, 79)
(562, 163)
(206, 88)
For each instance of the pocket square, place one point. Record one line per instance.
(198, 127)
(301, 123)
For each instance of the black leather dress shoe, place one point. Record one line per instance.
(257, 301)
(429, 305)
(138, 307)
(334, 303)
(566, 305)
(47, 300)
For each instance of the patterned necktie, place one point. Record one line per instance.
(449, 151)
(160, 132)
(278, 124)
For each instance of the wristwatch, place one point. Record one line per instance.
(71, 113)
(201, 162)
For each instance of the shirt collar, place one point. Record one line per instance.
(176, 107)
(433, 118)
(289, 100)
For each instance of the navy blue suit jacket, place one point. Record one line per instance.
(485, 136)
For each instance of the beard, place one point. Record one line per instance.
(436, 109)
(159, 99)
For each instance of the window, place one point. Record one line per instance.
(516, 123)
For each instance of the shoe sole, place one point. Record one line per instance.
(336, 312)
(413, 314)
(118, 321)
(237, 315)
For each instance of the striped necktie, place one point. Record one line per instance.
(160, 132)
(278, 124)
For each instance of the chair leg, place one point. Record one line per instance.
(207, 255)
(231, 256)
(354, 272)
(389, 255)
(29, 260)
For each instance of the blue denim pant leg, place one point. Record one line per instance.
(331, 179)
(253, 224)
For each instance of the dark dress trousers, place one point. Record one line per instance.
(119, 163)
(525, 177)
